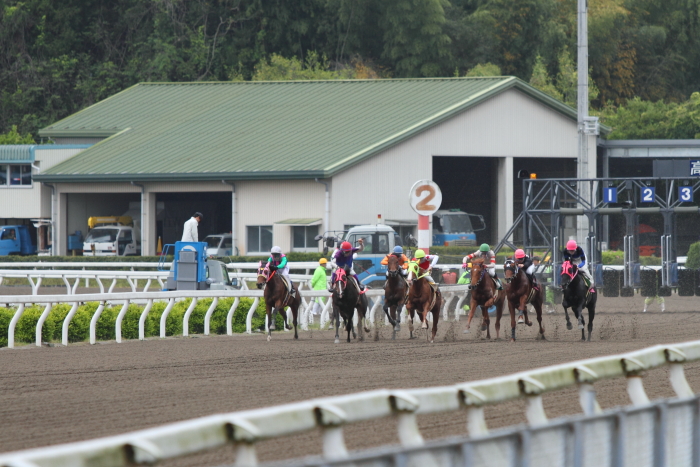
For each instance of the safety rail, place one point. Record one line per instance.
(330, 414)
(21, 301)
(72, 278)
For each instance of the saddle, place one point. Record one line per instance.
(287, 285)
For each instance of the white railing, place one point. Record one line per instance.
(449, 294)
(72, 278)
(330, 414)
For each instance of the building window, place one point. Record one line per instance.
(16, 175)
(259, 238)
(303, 238)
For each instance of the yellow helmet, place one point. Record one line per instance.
(419, 254)
(322, 261)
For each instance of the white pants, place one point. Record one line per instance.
(530, 270)
(285, 272)
(492, 271)
(587, 274)
(318, 306)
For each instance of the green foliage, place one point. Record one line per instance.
(613, 257)
(540, 79)
(486, 69)
(693, 261)
(13, 137)
(279, 68)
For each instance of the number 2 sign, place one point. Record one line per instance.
(648, 194)
(425, 197)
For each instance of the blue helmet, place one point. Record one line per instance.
(398, 250)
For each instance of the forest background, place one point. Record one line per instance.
(60, 56)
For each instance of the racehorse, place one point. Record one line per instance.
(422, 298)
(395, 291)
(276, 298)
(485, 294)
(577, 297)
(347, 297)
(518, 294)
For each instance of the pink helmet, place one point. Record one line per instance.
(519, 253)
(571, 245)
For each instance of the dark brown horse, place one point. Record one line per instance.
(420, 298)
(577, 297)
(519, 293)
(395, 291)
(346, 298)
(276, 299)
(484, 295)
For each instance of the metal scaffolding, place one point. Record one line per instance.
(547, 202)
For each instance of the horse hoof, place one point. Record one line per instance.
(397, 328)
(269, 338)
(431, 342)
(288, 327)
(569, 326)
(529, 323)
(512, 340)
(580, 326)
(337, 341)
(466, 331)
(272, 327)
(424, 326)
(484, 327)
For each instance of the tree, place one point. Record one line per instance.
(13, 137)
(486, 69)
(287, 69)
(540, 79)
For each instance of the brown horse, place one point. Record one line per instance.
(395, 291)
(346, 297)
(420, 298)
(277, 298)
(519, 293)
(484, 295)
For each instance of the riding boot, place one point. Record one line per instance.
(498, 282)
(330, 289)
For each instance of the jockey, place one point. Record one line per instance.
(403, 261)
(575, 255)
(424, 263)
(278, 262)
(342, 258)
(525, 262)
(489, 258)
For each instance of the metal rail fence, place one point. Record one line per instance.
(647, 435)
(21, 301)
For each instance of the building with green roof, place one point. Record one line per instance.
(278, 162)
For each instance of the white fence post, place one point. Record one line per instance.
(93, 322)
(249, 317)
(207, 316)
(186, 318)
(164, 317)
(13, 324)
(66, 322)
(118, 324)
(229, 316)
(142, 320)
(635, 389)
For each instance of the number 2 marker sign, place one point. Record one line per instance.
(425, 197)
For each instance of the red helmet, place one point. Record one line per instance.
(571, 245)
(345, 246)
(519, 253)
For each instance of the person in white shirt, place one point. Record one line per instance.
(190, 232)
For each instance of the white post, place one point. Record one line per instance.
(186, 319)
(635, 389)
(334, 443)
(13, 324)
(246, 455)
(476, 423)
(208, 314)
(535, 411)
(407, 428)
(40, 323)
(142, 320)
(678, 382)
(93, 322)
(505, 196)
(249, 317)
(589, 404)
(118, 324)
(66, 322)
(229, 316)
(164, 317)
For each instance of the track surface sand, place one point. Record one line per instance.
(53, 395)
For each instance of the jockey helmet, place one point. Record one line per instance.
(571, 245)
(322, 261)
(398, 250)
(519, 253)
(276, 250)
(345, 246)
(484, 247)
(419, 254)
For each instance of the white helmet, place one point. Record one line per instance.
(276, 249)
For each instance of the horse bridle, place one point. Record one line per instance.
(510, 265)
(572, 276)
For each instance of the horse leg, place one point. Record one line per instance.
(568, 321)
(485, 324)
(268, 317)
(386, 308)
(336, 318)
(411, 311)
(436, 317)
(578, 311)
(511, 309)
(591, 315)
(538, 309)
(350, 327)
(472, 308)
(295, 313)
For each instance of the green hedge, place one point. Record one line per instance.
(693, 261)
(79, 328)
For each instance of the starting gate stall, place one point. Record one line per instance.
(599, 206)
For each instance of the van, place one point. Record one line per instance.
(453, 227)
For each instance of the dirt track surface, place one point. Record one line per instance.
(56, 394)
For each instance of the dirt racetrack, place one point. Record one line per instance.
(59, 394)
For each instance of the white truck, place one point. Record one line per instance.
(112, 236)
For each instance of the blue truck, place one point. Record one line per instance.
(453, 227)
(15, 240)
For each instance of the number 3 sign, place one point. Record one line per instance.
(425, 197)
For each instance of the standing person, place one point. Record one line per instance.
(319, 282)
(190, 232)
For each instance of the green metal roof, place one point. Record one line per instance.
(261, 130)
(16, 153)
(300, 221)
